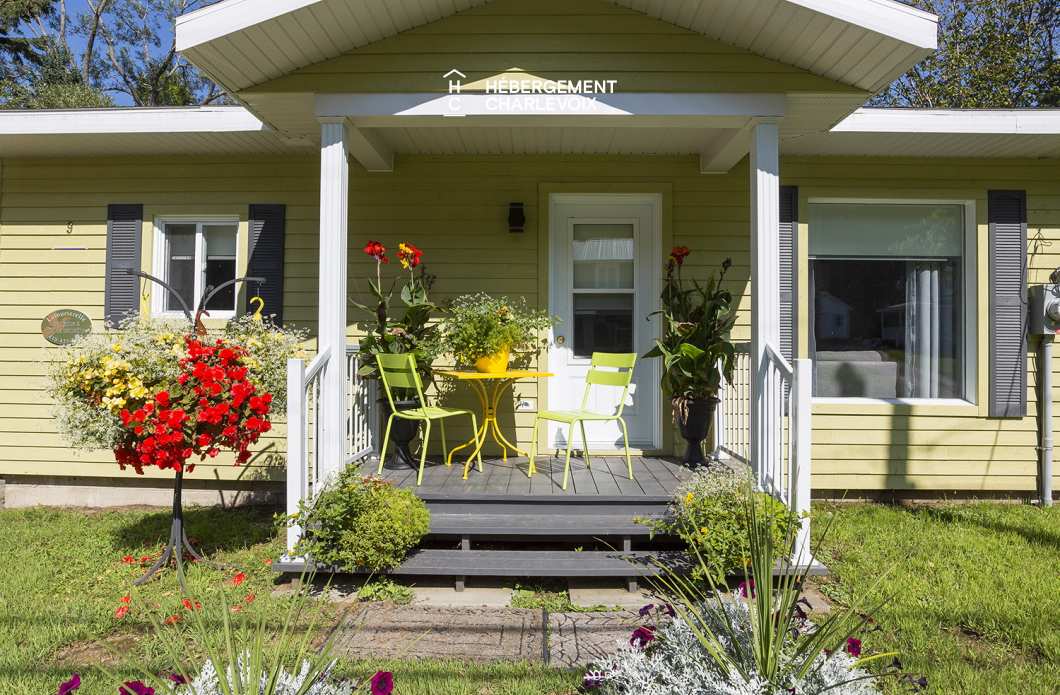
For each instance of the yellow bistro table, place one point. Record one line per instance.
(489, 398)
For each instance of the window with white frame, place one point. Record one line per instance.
(891, 299)
(193, 255)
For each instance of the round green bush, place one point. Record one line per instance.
(361, 522)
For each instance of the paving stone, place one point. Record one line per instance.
(470, 597)
(473, 634)
(577, 639)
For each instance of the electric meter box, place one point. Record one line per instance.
(1045, 310)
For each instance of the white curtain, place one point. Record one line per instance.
(928, 326)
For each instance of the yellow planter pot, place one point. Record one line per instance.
(495, 363)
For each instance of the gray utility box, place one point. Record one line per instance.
(1045, 310)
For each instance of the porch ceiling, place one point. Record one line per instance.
(863, 43)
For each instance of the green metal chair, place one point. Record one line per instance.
(623, 364)
(399, 372)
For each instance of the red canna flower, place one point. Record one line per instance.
(409, 255)
(678, 254)
(377, 251)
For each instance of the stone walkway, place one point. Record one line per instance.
(480, 634)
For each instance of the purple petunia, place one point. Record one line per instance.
(178, 679)
(641, 637)
(646, 610)
(382, 683)
(593, 680)
(71, 685)
(135, 688)
(669, 610)
(853, 647)
(746, 588)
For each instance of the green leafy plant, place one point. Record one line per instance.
(710, 514)
(386, 590)
(411, 330)
(696, 344)
(479, 325)
(361, 522)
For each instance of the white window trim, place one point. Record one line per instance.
(970, 269)
(159, 265)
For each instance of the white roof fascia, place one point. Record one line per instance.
(209, 119)
(925, 121)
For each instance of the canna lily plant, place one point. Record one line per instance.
(388, 332)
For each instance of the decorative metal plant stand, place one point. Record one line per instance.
(178, 541)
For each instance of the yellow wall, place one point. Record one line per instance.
(553, 39)
(454, 208)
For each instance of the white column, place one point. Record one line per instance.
(331, 324)
(765, 266)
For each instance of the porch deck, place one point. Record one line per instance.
(654, 479)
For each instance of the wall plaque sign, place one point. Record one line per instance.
(65, 326)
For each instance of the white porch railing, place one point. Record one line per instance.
(305, 398)
(784, 431)
(732, 419)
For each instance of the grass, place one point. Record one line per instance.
(63, 576)
(975, 587)
(550, 595)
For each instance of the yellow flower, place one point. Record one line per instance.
(704, 530)
(689, 497)
(117, 347)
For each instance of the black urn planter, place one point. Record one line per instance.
(402, 434)
(695, 420)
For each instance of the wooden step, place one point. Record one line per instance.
(519, 563)
(537, 525)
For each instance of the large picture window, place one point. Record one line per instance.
(193, 255)
(889, 297)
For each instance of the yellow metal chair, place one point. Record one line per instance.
(399, 372)
(621, 378)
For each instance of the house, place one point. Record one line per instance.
(733, 127)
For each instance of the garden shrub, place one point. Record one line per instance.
(710, 514)
(671, 659)
(361, 522)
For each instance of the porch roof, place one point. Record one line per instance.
(862, 43)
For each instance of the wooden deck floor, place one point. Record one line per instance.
(652, 477)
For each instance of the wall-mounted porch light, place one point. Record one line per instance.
(516, 218)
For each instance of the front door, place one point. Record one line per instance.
(604, 282)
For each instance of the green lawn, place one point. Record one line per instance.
(976, 590)
(63, 576)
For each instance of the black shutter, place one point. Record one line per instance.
(121, 295)
(789, 215)
(1007, 215)
(267, 231)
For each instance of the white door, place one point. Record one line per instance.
(604, 281)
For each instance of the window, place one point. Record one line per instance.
(193, 256)
(604, 287)
(892, 300)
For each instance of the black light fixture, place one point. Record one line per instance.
(516, 218)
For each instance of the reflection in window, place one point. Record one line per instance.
(602, 323)
(886, 282)
(199, 256)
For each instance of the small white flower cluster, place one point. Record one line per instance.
(208, 682)
(675, 663)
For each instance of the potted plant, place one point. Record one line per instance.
(410, 331)
(696, 348)
(482, 331)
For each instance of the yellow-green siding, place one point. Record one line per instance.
(454, 208)
(552, 39)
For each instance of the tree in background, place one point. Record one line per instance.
(62, 58)
(992, 54)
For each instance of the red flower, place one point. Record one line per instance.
(172, 620)
(128, 559)
(126, 599)
(679, 253)
(238, 579)
(190, 605)
(249, 599)
(377, 251)
(162, 398)
(853, 647)
(122, 611)
(409, 255)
